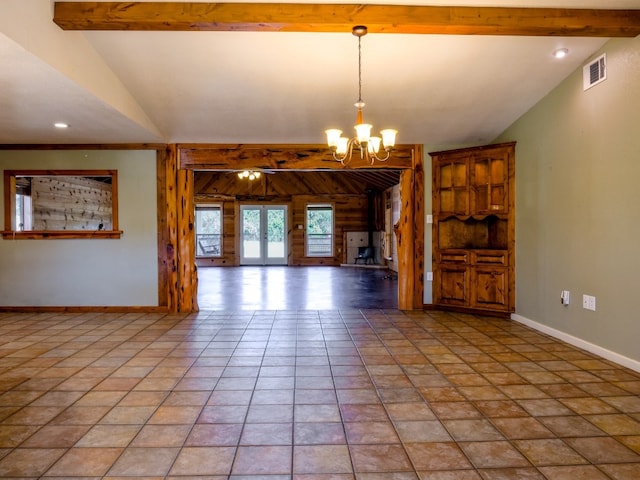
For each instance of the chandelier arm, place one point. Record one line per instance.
(381, 159)
(346, 158)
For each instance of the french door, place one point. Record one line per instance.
(263, 234)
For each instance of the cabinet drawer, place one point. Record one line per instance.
(489, 258)
(459, 257)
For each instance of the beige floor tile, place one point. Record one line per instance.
(263, 460)
(109, 436)
(203, 462)
(603, 450)
(85, 462)
(267, 434)
(494, 454)
(127, 415)
(549, 451)
(324, 433)
(161, 436)
(472, 430)
(144, 461)
(615, 424)
(371, 433)
(379, 458)
(522, 428)
(211, 435)
(29, 462)
(450, 475)
(13, 435)
(437, 456)
(60, 436)
(622, 472)
(582, 472)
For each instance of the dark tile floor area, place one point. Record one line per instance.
(309, 394)
(296, 288)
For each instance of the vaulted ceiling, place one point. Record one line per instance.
(137, 84)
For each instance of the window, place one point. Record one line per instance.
(320, 230)
(60, 204)
(208, 230)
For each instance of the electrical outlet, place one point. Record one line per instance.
(429, 276)
(589, 302)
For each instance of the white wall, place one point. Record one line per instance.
(578, 205)
(88, 272)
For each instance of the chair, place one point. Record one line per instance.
(366, 254)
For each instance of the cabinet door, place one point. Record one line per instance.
(490, 288)
(452, 185)
(452, 285)
(490, 182)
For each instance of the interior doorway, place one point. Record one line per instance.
(263, 235)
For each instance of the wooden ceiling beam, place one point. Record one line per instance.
(281, 157)
(290, 17)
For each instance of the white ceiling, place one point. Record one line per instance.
(233, 87)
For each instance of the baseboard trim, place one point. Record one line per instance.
(578, 342)
(78, 309)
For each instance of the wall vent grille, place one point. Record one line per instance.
(594, 72)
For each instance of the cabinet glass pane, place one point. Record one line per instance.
(454, 200)
(446, 200)
(497, 170)
(482, 198)
(481, 172)
(446, 176)
(498, 198)
(460, 174)
(461, 201)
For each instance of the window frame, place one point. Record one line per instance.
(12, 231)
(318, 206)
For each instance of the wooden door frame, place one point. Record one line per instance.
(181, 160)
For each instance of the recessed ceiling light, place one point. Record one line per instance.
(560, 53)
(61, 125)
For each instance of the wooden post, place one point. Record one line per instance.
(405, 238)
(188, 287)
(167, 228)
(418, 222)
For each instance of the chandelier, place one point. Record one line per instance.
(249, 174)
(369, 146)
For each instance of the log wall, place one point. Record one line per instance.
(70, 203)
(350, 214)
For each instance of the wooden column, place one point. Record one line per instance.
(167, 272)
(188, 286)
(418, 222)
(405, 238)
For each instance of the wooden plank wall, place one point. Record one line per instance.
(350, 214)
(70, 203)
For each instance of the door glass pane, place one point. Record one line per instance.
(251, 233)
(275, 233)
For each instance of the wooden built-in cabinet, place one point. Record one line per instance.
(474, 228)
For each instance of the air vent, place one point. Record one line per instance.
(594, 72)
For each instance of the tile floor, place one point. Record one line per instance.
(308, 395)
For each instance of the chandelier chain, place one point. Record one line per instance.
(360, 70)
